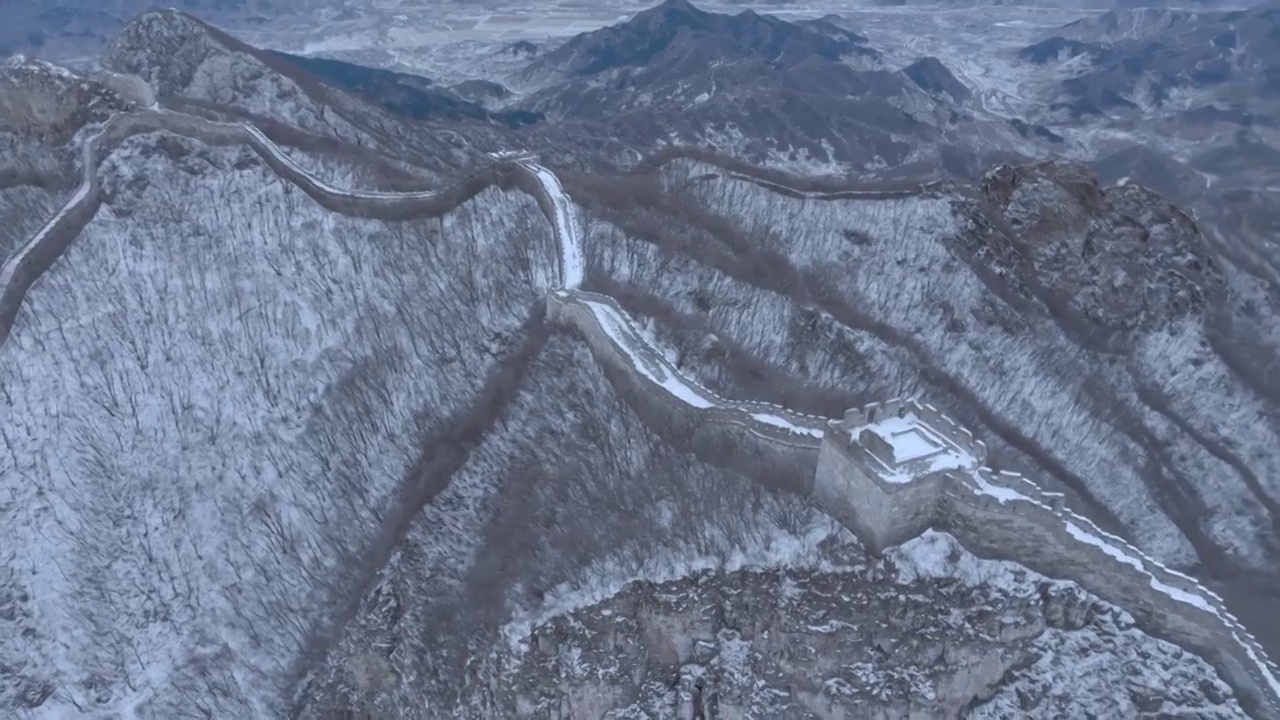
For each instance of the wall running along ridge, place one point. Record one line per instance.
(851, 471)
(38, 254)
(764, 442)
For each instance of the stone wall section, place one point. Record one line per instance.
(995, 514)
(726, 434)
(1007, 516)
(27, 264)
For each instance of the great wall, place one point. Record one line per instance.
(893, 470)
(888, 471)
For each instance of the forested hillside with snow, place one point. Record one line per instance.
(209, 391)
(891, 282)
(287, 430)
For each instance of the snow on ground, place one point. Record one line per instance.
(289, 160)
(908, 277)
(552, 510)
(568, 227)
(25, 209)
(77, 198)
(624, 333)
(1204, 389)
(781, 422)
(180, 326)
(1066, 662)
(644, 359)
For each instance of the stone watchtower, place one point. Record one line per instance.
(883, 468)
(890, 471)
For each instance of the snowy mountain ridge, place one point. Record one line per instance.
(399, 355)
(760, 420)
(1039, 530)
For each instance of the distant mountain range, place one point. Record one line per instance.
(410, 95)
(760, 87)
(1205, 62)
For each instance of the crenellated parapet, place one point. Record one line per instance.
(618, 341)
(892, 470)
(766, 442)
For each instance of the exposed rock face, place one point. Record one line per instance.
(42, 108)
(931, 632)
(1122, 257)
(181, 56)
(164, 47)
(46, 101)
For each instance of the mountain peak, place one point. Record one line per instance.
(163, 47)
(679, 7)
(671, 14)
(651, 32)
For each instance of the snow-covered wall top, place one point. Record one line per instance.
(609, 329)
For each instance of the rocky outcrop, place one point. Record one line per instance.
(1122, 258)
(179, 55)
(50, 104)
(916, 635)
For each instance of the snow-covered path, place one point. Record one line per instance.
(568, 226)
(654, 367)
(624, 333)
(20, 271)
(42, 235)
(275, 150)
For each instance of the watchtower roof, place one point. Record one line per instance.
(901, 445)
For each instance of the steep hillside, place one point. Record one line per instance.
(244, 333)
(1162, 419)
(294, 423)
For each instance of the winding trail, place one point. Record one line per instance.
(28, 262)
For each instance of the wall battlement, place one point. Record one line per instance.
(892, 470)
